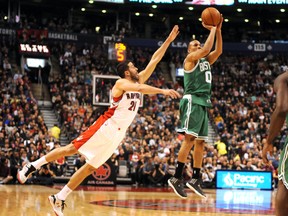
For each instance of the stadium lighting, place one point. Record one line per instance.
(97, 29)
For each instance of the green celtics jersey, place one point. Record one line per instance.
(197, 82)
(287, 127)
(283, 162)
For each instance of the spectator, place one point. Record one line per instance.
(115, 162)
(249, 166)
(219, 122)
(55, 131)
(79, 162)
(170, 170)
(157, 175)
(221, 147)
(148, 170)
(208, 175)
(5, 176)
(44, 176)
(59, 165)
(134, 158)
(139, 171)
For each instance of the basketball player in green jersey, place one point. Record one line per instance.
(193, 108)
(277, 121)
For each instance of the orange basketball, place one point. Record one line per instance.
(211, 16)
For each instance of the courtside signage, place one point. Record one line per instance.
(244, 179)
(263, 2)
(244, 199)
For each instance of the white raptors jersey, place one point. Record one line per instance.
(101, 139)
(123, 109)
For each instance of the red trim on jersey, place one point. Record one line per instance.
(86, 135)
(116, 99)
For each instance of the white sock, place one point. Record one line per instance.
(40, 162)
(62, 195)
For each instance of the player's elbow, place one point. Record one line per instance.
(220, 52)
(283, 109)
(205, 51)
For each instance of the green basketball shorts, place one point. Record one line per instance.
(283, 166)
(193, 118)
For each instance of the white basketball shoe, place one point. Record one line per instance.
(25, 173)
(57, 205)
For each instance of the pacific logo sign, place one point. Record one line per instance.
(243, 179)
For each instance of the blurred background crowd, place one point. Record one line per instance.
(243, 100)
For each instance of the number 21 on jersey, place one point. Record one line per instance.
(132, 106)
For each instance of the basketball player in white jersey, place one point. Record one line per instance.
(101, 139)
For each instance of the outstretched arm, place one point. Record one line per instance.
(279, 114)
(123, 85)
(200, 53)
(157, 56)
(214, 55)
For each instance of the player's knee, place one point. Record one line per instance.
(70, 149)
(200, 142)
(188, 145)
(189, 139)
(89, 169)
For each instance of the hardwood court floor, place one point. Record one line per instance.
(31, 200)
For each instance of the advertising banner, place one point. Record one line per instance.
(263, 2)
(244, 179)
(233, 199)
(277, 46)
(105, 175)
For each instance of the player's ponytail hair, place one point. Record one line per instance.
(122, 67)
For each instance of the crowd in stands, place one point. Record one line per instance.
(243, 100)
(24, 136)
(135, 29)
(241, 115)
